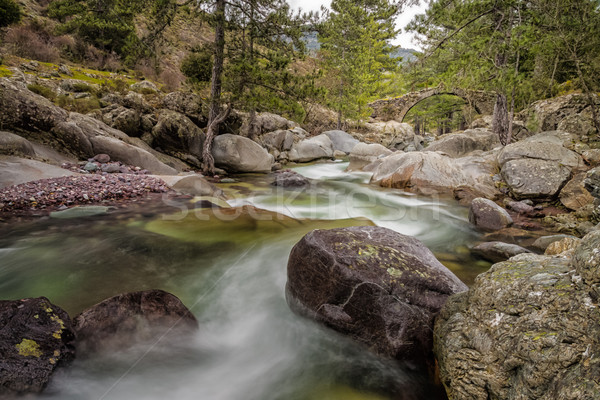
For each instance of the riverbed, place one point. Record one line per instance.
(229, 267)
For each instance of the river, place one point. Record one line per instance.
(229, 268)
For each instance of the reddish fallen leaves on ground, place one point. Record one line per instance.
(76, 190)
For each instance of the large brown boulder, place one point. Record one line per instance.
(132, 318)
(379, 287)
(527, 329)
(489, 216)
(236, 153)
(433, 172)
(35, 338)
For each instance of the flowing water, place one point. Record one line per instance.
(229, 267)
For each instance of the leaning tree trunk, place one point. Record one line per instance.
(214, 119)
(501, 123)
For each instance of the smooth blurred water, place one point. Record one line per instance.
(231, 274)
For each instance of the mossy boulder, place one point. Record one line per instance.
(375, 285)
(35, 338)
(529, 328)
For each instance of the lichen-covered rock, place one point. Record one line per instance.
(377, 286)
(487, 215)
(188, 104)
(132, 318)
(561, 246)
(527, 329)
(539, 166)
(35, 338)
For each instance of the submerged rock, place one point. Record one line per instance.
(127, 319)
(527, 329)
(377, 286)
(288, 179)
(35, 338)
(498, 251)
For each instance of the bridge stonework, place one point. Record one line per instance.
(397, 108)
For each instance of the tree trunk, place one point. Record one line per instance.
(500, 123)
(208, 161)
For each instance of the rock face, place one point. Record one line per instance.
(35, 338)
(560, 113)
(432, 172)
(239, 154)
(538, 167)
(527, 329)
(489, 216)
(592, 182)
(11, 144)
(312, 149)
(130, 318)
(176, 134)
(38, 120)
(188, 104)
(379, 287)
(462, 143)
(341, 141)
(364, 154)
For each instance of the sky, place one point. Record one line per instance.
(404, 39)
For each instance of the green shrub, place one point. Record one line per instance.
(197, 66)
(82, 106)
(10, 13)
(82, 88)
(42, 91)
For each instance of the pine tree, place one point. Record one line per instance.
(256, 43)
(356, 53)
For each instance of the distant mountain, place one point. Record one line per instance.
(312, 45)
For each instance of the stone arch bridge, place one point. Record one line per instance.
(397, 108)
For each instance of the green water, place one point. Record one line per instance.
(229, 267)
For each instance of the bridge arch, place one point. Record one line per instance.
(397, 108)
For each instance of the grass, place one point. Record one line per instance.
(4, 71)
(42, 91)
